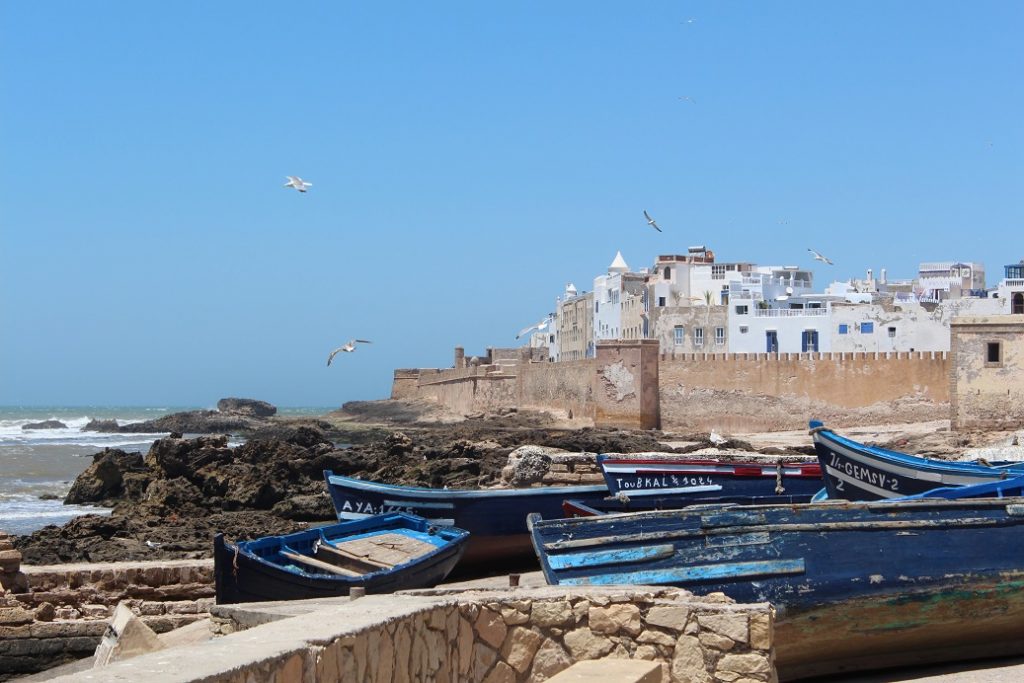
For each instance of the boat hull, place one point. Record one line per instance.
(856, 585)
(855, 471)
(495, 518)
(242, 575)
(691, 478)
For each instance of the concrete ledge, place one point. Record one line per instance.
(610, 671)
(475, 636)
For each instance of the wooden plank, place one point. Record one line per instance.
(681, 575)
(386, 549)
(320, 565)
(879, 525)
(606, 557)
(344, 556)
(731, 518)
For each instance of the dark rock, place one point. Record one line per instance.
(307, 508)
(45, 424)
(305, 435)
(106, 426)
(101, 482)
(398, 443)
(45, 612)
(171, 457)
(178, 496)
(246, 406)
(194, 422)
(49, 496)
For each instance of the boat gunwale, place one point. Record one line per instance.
(425, 492)
(917, 462)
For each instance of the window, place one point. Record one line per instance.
(698, 336)
(809, 341)
(1017, 305)
(741, 310)
(844, 329)
(743, 329)
(892, 332)
(718, 271)
(867, 328)
(993, 353)
(597, 306)
(661, 301)
(719, 335)
(679, 335)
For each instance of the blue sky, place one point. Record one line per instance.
(468, 159)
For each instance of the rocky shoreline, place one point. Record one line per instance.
(170, 502)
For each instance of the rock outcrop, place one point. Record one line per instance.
(45, 424)
(246, 406)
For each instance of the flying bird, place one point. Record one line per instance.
(650, 221)
(347, 348)
(297, 182)
(542, 325)
(819, 257)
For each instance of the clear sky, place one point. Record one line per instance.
(468, 159)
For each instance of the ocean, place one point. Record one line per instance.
(38, 466)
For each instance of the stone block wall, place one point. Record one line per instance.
(62, 611)
(513, 636)
(631, 385)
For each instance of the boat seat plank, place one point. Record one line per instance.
(385, 550)
(319, 565)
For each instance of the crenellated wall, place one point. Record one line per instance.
(735, 392)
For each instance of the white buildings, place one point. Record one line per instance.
(692, 304)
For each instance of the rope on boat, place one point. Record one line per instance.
(234, 564)
(814, 430)
(779, 488)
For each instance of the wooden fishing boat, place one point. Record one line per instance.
(682, 477)
(856, 585)
(495, 518)
(382, 554)
(620, 504)
(855, 471)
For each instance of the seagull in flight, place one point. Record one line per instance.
(347, 348)
(819, 257)
(542, 325)
(297, 182)
(650, 221)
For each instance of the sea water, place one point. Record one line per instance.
(38, 466)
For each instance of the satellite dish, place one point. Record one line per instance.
(789, 290)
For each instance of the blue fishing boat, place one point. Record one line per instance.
(855, 471)
(620, 504)
(663, 477)
(382, 554)
(856, 585)
(495, 518)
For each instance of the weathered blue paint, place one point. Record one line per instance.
(856, 471)
(495, 518)
(849, 549)
(605, 557)
(707, 572)
(257, 570)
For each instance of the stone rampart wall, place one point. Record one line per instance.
(561, 388)
(761, 392)
(735, 392)
(511, 636)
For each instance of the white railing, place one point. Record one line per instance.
(789, 312)
(1015, 283)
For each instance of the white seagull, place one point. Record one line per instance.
(347, 348)
(819, 257)
(542, 325)
(650, 221)
(297, 182)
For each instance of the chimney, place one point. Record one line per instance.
(460, 357)
(882, 276)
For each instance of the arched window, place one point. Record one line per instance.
(1018, 303)
(668, 273)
